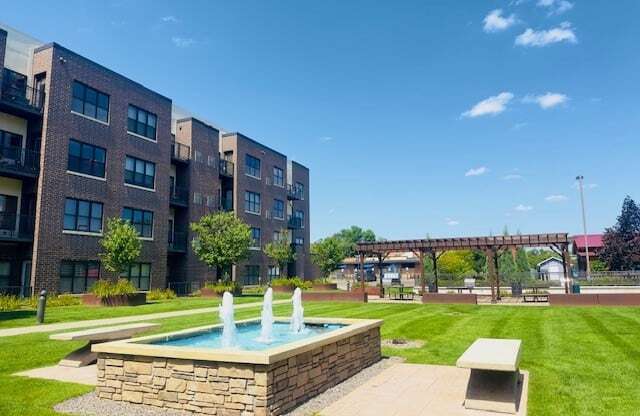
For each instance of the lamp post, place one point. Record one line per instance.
(580, 179)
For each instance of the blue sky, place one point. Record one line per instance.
(426, 117)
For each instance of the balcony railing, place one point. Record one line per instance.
(179, 195)
(226, 168)
(18, 160)
(19, 94)
(294, 223)
(178, 242)
(180, 152)
(16, 227)
(294, 193)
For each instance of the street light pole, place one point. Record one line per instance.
(580, 179)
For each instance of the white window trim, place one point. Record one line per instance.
(94, 119)
(85, 233)
(84, 175)
(140, 136)
(278, 218)
(141, 187)
(255, 248)
(147, 238)
(254, 177)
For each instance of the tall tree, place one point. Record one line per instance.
(280, 251)
(522, 261)
(221, 240)
(327, 254)
(121, 245)
(352, 235)
(621, 249)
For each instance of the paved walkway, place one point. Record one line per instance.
(9, 332)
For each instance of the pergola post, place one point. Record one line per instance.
(566, 266)
(497, 271)
(434, 260)
(380, 260)
(362, 271)
(423, 280)
(491, 268)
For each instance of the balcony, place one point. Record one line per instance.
(16, 161)
(180, 152)
(18, 97)
(294, 223)
(226, 204)
(294, 193)
(177, 242)
(179, 196)
(226, 168)
(18, 228)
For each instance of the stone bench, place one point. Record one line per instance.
(84, 356)
(495, 375)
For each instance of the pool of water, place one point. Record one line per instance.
(247, 336)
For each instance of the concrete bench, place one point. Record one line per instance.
(495, 374)
(84, 356)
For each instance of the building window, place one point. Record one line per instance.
(273, 272)
(80, 215)
(252, 166)
(276, 235)
(197, 156)
(78, 276)
(5, 273)
(211, 161)
(299, 190)
(278, 209)
(197, 198)
(139, 274)
(299, 215)
(139, 172)
(141, 220)
(90, 102)
(255, 235)
(86, 158)
(211, 201)
(9, 141)
(299, 241)
(141, 122)
(252, 202)
(278, 176)
(251, 275)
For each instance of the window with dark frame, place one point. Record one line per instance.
(81, 215)
(278, 176)
(252, 202)
(252, 275)
(139, 274)
(78, 276)
(141, 220)
(141, 122)
(255, 235)
(90, 102)
(299, 190)
(299, 241)
(86, 158)
(273, 272)
(252, 166)
(278, 209)
(139, 172)
(299, 215)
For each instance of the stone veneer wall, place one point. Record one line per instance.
(218, 388)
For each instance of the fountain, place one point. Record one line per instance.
(266, 318)
(229, 325)
(297, 318)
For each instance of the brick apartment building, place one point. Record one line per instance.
(80, 143)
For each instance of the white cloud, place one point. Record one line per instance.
(477, 171)
(556, 198)
(169, 19)
(562, 33)
(490, 106)
(512, 177)
(546, 101)
(451, 222)
(495, 22)
(325, 139)
(182, 42)
(555, 7)
(519, 126)
(523, 208)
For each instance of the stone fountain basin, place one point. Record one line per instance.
(227, 380)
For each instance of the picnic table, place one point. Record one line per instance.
(401, 292)
(537, 294)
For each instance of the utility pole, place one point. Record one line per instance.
(580, 179)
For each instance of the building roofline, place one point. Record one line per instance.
(238, 134)
(57, 45)
(205, 124)
(547, 260)
(293, 162)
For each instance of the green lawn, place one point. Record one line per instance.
(582, 361)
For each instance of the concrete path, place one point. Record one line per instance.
(81, 375)
(23, 330)
(414, 390)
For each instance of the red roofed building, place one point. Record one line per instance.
(594, 241)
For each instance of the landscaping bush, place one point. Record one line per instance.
(292, 282)
(10, 303)
(54, 301)
(107, 288)
(161, 294)
(321, 281)
(220, 287)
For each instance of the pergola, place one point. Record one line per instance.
(490, 245)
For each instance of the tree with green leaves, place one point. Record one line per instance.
(457, 263)
(280, 250)
(522, 261)
(327, 254)
(621, 242)
(221, 240)
(121, 245)
(353, 235)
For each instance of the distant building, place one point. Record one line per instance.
(551, 269)
(579, 249)
(398, 265)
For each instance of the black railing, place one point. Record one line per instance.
(226, 168)
(294, 222)
(16, 227)
(19, 94)
(226, 204)
(19, 160)
(180, 152)
(179, 195)
(178, 241)
(294, 192)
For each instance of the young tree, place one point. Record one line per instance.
(280, 251)
(621, 249)
(522, 261)
(458, 263)
(327, 254)
(121, 245)
(221, 240)
(351, 236)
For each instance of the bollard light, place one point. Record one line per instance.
(42, 303)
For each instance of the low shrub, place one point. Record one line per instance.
(53, 301)
(228, 286)
(292, 282)
(107, 288)
(10, 303)
(321, 281)
(161, 294)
